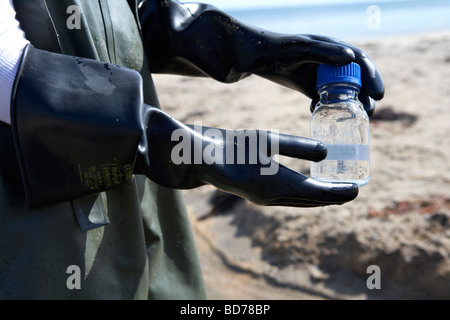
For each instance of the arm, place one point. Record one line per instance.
(199, 39)
(12, 44)
(80, 127)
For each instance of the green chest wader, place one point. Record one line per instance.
(130, 243)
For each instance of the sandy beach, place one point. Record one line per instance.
(400, 221)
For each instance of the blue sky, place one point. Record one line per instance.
(395, 16)
(234, 4)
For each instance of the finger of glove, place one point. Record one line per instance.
(326, 53)
(313, 105)
(297, 147)
(295, 189)
(368, 103)
(288, 202)
(315, 193)
(372, 80)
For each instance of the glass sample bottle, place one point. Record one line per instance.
(341, 123)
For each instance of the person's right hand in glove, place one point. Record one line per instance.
(80, 127)
(199, 39)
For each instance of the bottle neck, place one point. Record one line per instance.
(339, 92)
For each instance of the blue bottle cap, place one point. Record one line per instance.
(327, 74)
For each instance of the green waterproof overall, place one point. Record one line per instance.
(141, 244)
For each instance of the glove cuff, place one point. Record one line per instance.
(76, 124)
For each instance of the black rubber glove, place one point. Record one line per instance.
(80, 127)
(198, 39)
(238, 162)
(76, 123)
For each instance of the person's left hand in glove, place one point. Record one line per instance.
(236, 161)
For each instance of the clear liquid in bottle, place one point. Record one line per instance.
(340, 122)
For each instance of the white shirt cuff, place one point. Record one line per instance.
(12, 43)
